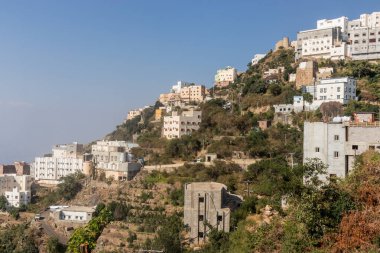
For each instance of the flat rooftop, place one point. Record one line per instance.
(79, 209)
(205, 186)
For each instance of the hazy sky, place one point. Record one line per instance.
(71, 70)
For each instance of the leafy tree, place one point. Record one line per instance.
(307, 97)
(275, 89)
(168, 236)
(3, 203)
(53, 245)
(70, 185)
(14, 212)
(89, 233)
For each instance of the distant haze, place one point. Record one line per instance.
(71, 70)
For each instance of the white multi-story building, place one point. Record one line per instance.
(369, 20)
(365, 43)
(339, 142)
(336, 39)
(225, 76)
(340, 90)
(113, 158)
(341, 22)
(65, 160)
(325, 43)
(257, 58)
(16, 189)
(185, 123)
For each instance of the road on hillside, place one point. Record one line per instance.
(49, 230)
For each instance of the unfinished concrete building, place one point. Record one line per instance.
(208, 205)
(338, 143)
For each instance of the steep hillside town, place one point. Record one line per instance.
(281, 157)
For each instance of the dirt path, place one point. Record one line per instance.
(49, 230)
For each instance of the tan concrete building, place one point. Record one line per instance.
(208, 205)
(225, 76)
(194, 93)
(169, 98)
(177, 125)
(284, 44)
(306, 73)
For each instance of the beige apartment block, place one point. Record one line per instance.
(177, 125)
(208, 205)
(194, 93)
(225, 76)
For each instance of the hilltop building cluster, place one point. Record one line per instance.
(183, 93)
(341, 38)
(111, 157)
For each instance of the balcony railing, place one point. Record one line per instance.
(365, 124)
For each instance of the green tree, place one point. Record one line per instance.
(70, 185)
(168, 236)
(3, 203)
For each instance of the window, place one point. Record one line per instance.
(317, 149)
(355, 147)
(220, 217)
(338, 96)
(200, 218)
(336, 154)
(338, 89)
(200, 234)
(201, 199)
(336, 137)
(371, 147)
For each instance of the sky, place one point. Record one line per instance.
(70, 70)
